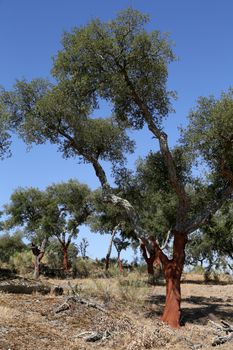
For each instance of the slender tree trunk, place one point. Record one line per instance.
(65, 258)
(107, 262)
(110, 248)
(172, 273)
(37, 267)
(119, 262)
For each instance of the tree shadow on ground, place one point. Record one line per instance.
(207, 283)
(202, 309)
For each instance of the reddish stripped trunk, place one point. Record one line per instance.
(65, 258)
(119, 263)
(150, 265)
(172, 273)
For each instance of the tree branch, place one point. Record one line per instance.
(164, 246)
(164, 148)
(201, 219)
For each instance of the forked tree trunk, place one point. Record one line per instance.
(172, 273)
(149, 261)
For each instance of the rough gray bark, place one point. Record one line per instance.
(110, 247)
(38, 253)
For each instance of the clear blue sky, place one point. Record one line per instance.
(30, 32)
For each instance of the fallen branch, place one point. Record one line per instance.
(221, 340)
(225, 327)
(67, 304)
(94, 336)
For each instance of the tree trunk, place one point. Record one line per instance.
(37, 267)
(107, 262)
(119, 263)
(172, 273)
(38, 253)
(149, 261)
(110, 248)
(65, 258)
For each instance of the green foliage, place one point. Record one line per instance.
(151, 193)
(5, 127)
(52, 118)
(105, 216)
(104, 56)
(83, 268)
(54, 254)
(96, 61)
(125, 65)
(120, 244)
(200, 249)
(220, 231)
(83, 247)
(209, 134)
(57, 211)
(22, 262)
(9, 245)
(29, 209)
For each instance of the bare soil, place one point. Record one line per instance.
(131, 320)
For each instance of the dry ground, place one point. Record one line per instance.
(131, 321)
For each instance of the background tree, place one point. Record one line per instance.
(121, 62)
(72, 201)
(58, 211)
(55, 256)
(5, 128)
(28, 209)
(213, 245)
(220, 233)
(83, 247)
(109, 219)
(10, 244)
(120, 244)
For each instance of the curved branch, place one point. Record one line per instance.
(164, 148)
(164, 246)
(204, 217)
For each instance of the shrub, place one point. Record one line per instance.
(22, 262)
(9, 245)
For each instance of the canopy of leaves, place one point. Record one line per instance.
(10, 244)
(220, 231)
(57, 211)
(150, 190)
(41, 112)
(5, 126)
(117, 60)
(54, 254)
(106, 217)
(209, 136)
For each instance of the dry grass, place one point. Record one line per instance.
(28, 321)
